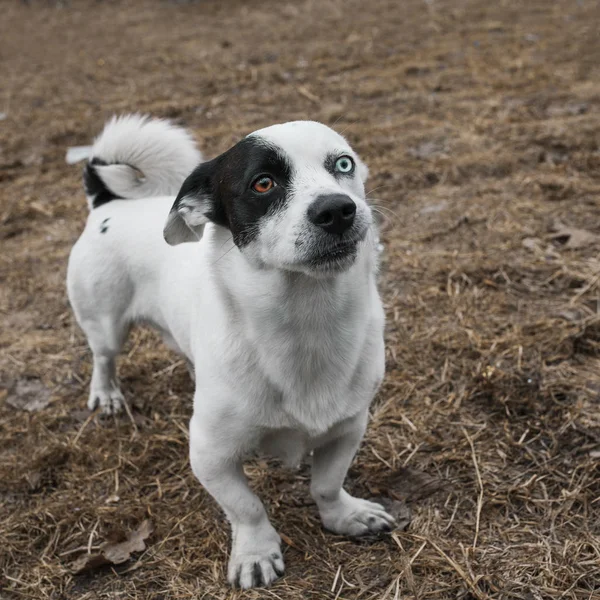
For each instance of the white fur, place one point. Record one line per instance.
(145, 157)
(285, 361)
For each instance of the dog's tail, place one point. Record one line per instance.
(136, 156)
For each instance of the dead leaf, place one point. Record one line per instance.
(572, 315)
(400, 511)
(111, 553)
(412, 485)
(28, 394)
(288, 541)
(571, 237)
(88, 562)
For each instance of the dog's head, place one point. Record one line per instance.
(292, 196)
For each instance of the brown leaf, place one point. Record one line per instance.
(413, 485)
(571, 314)
(400, 511)
(28, 394)
(88, 562)
(111, 553)
(288, 541)
(571, 237)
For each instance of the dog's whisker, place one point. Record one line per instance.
(337, 121)
(385, 218)
(381, 209)
(379, 187)
(379, 212)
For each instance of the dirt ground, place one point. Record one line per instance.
(480, 123)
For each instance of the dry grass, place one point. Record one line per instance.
(480, 122)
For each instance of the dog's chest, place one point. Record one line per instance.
(322, 354)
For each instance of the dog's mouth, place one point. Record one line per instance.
(334, 257)
(329, 254)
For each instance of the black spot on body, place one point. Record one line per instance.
(224, 186)
(104, 226)
(95, 188)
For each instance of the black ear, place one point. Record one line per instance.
(193, 207)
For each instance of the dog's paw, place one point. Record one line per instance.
(355, 517)
(256, 560)
(255, 570)
(110, 402)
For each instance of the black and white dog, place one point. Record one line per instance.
(274, 303)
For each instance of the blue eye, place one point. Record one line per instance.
(344, 164)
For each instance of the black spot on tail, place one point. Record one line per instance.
(95, 188)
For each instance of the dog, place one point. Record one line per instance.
(266, 282)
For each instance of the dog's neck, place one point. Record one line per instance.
(288, 317)
(251, 289)
(307, 336)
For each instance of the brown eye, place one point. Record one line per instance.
(263, 184)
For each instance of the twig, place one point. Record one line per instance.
(480, 482)
(82, 428)
(308, 95)
(335, 579)
(91, 538)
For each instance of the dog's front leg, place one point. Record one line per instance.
(256, 557)
(341, 512)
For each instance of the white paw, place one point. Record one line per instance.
(355, 517)
(110, 402)
(256, 559)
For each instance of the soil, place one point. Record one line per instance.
(480, 124)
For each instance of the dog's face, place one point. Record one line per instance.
(292, 196)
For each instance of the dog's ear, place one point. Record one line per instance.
(193, 207)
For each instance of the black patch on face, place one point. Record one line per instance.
(94, 186)
(104, 226)
(330, 161)
(224, 185)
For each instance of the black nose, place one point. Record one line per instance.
(332, 212)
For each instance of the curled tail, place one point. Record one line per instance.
(136, 156)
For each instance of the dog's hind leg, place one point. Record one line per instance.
(105, 337)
